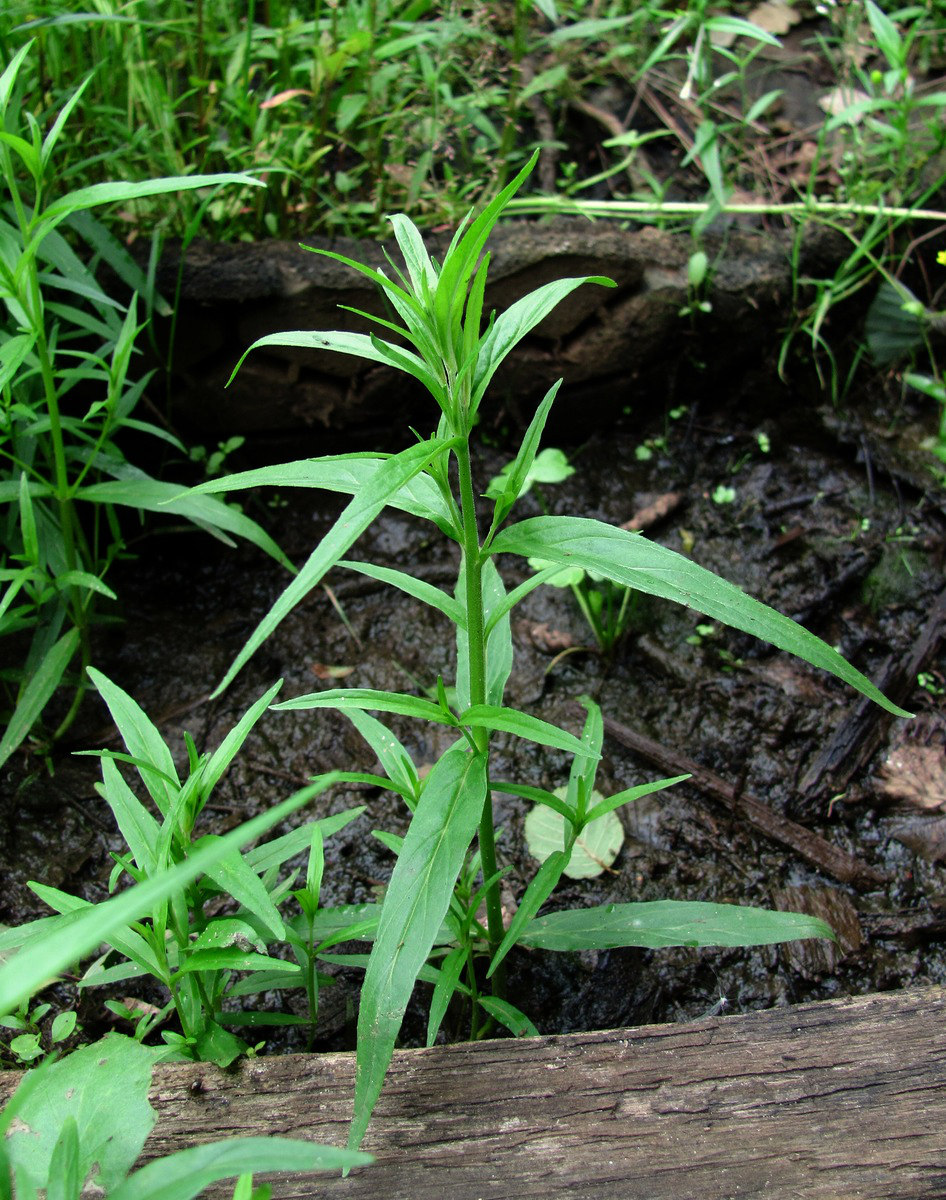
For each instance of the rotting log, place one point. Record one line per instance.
(826, 1101)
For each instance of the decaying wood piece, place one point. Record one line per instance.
(825, 1101)
(862, 733)
(815, 849)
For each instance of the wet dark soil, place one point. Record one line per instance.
(816, 516)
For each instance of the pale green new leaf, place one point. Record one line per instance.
(663, 923)
(594, 850)
(632, 560)
(414, 907)
(540, 888)
(365, 505)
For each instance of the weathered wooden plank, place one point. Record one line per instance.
(826, 1101)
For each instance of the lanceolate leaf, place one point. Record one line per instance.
(664, 923)
(371, 701)
(418, 588)
(348, 473)
(517, 321)
(392, 475)
(632, 560)
(37, 692)
(511, 720)
(415, 905)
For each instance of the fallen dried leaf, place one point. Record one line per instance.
(653, 512)
(915, 774)
(774, 16)
(322, 671)
(282, 97)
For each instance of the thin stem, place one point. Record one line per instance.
(476, 642)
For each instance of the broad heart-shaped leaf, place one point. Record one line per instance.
(663, 923)
(155, 495)
(632, 560)
(347, 473)
(365, 505)
(67, 943)
(595, 848)
(415, 904)
(516, 322)
(105, 1088)
(184, 1174)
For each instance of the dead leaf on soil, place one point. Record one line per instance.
(653, 512)
(324, 671)
(544, 638)
(915, 774)
(841, 98)
(925, 836)
(774, 16)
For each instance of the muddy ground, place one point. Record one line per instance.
(822, 521)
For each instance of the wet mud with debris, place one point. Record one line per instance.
(819, 516)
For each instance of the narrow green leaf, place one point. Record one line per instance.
(235, 878)
(419, 267)
(373, 701)
(121, 192)
(445, 988)
(507, 1014)
(663, 923)
(184, 1174)
(630, 794)
(233, 959)
(521, 317)
(138, 827)
(22, 974)
(511, 720)
(229, 747)
(540, 888)
(395, 761)
(499, 653)
(347, 473)
(418, 588)
(143, 741)
(392, 475)
(516, 478)
(37, 693)
(630, 559)
(414, 907)
(279, 850)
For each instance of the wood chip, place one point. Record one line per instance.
(653, 512)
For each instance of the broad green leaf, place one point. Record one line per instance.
(37, 693)
(104, 1087)
(595, 848)
(21, 975)
(392, 475)
(511, 720)
(347, 473)
(414, 907)
(142, 740)
(154, 495)
(418, 588)
(663, 923)
(630, 559)
(373, 701)
(184, 1174)
(521, 317)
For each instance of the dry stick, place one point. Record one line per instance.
(858, 737)
(830, 859)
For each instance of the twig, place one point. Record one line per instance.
(828, 858)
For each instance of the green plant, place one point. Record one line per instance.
(27, 1046)
(67, 396)
(82, 1122)
(428, 925)
(192, 953)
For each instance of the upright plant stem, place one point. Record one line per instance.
(476, 642)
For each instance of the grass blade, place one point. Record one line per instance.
(38, 692)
